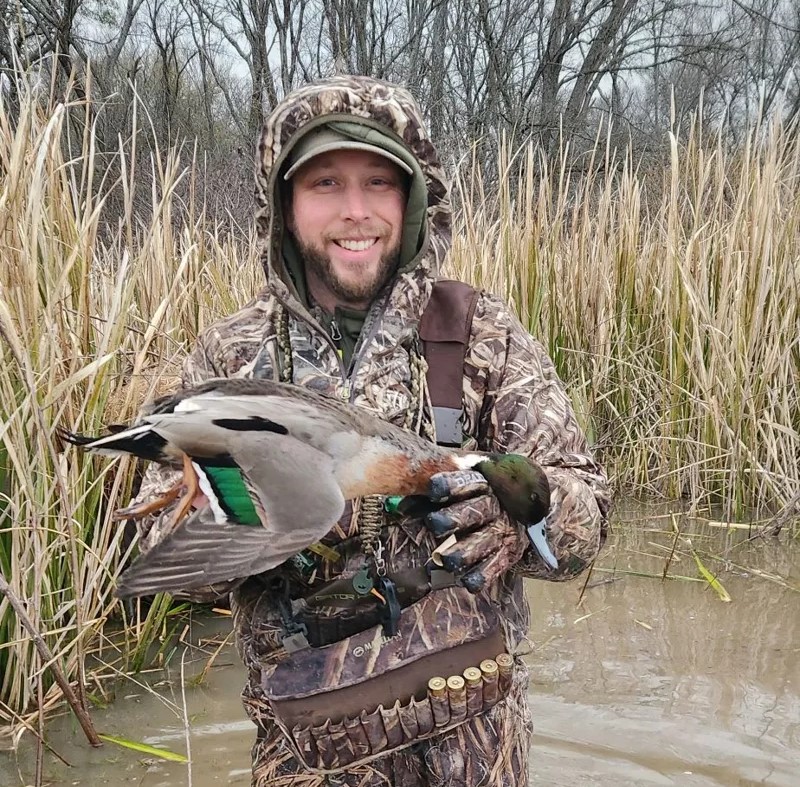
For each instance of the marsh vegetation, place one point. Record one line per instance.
(667, 294)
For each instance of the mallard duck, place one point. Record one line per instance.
(276, 463)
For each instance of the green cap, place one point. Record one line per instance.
(324, 140)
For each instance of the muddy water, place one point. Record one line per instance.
(643, 683)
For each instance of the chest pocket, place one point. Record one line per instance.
(386, 386)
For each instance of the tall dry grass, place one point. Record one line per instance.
(668, 298)
(670, 301)
(92, 323)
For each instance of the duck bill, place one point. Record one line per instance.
(538, 538)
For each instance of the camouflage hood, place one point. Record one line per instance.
(376, 109)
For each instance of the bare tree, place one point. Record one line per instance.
(209, 70)
(33, 31)
(168, 25)
(260, 32)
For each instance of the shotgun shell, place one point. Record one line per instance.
(437, 687)
(440, 703)
(505, 668)
(457, 694)
(489, 672)
(472, 676)
(456, 685)
(474, 681)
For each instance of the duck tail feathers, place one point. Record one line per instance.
(138, 440)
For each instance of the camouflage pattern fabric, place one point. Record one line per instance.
(490, 750)
(513, 402)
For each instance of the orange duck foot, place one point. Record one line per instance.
(188, 485)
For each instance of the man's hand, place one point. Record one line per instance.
(488, 542)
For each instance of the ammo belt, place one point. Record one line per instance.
(370, 694)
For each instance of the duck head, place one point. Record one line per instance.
(524, 493)
(519, 484)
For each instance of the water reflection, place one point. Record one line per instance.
(662, 683)
(644, 683)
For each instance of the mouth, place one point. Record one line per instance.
(356, 245)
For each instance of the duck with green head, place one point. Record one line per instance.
(268, 468)
(524, 493)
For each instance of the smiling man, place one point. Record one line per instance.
(347, 646)
(346, 215)
(349, 224)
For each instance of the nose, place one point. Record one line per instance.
(355, 203)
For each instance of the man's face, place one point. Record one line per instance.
(346, 216)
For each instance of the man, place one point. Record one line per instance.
(353, 222)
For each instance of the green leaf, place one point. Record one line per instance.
(143, 748)
(708, 576)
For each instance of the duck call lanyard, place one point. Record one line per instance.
(372, 578)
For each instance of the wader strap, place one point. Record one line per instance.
(445, 330)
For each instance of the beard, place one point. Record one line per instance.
(365, 288)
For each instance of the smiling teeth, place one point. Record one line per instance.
(356, 245)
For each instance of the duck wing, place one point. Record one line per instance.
(199, 552)
(297, 489)
(298, 500)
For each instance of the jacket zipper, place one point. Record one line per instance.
(367, 332)
(312, 323)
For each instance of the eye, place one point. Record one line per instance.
(383, 181)
(325, 181)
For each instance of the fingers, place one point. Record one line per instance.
(444, 489)
(471, 548)
(457, 485)
(482, 556)
(464, 515)
(488, 571)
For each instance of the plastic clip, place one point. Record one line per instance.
(296, 641)
(362, 581)
(390, 614)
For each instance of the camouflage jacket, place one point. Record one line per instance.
(513, 400)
